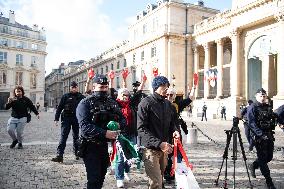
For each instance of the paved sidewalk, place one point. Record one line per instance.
(31, 167)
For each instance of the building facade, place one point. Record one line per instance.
(230, 53)
(22, 59)
(54, 87)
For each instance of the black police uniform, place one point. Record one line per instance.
(93, 114)
(261, 122)
(67, 110)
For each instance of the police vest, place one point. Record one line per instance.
(103, 110)
(265, 118)
(71, 104)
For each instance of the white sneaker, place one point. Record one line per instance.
(126, 176)
(110, 171)
(119, 184)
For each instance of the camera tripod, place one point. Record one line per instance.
(235, 132)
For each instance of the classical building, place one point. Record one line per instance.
(230, 53)
(22, 59)
(54, 87)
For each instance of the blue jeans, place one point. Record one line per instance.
(18, 125)
(96, 161)
(121, 165)
(66, 125)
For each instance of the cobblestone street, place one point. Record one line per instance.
(31, 167)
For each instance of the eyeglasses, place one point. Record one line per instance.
(125, 95)
(170, 94)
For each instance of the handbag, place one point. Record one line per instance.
(29, 117)
(184, 177)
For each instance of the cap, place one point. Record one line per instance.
(136, 84)
(73, 84)
(158, 81)
(261, 91)
(100, 79)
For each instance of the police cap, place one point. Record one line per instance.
(100, 79)
(261, 91)
(73, 84)
(136, 84)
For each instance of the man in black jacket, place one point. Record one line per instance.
(156, 123)
(67, 106)
(20, 105)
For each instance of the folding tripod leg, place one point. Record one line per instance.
(244, 157)
(225, 156)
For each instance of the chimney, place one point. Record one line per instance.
(200, 3)
(12, 17)
(35, 27)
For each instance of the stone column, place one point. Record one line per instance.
(196, 68)
(235, 64)
(278, 100)
(220, 61)
(280, 57)
(206, 68)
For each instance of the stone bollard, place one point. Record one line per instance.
(192, 135)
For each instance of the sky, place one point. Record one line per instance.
(82, 29)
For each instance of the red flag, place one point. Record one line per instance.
(125, 73)
(155, 71)
(195, 79)
(91, 73)
(111, 74)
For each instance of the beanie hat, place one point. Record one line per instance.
(158, 81)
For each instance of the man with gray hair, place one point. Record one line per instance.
(156, 123)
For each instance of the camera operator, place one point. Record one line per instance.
(261, 122)
(93, 114)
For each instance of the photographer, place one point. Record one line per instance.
(261, 122)
(93, 114)
(20, 105)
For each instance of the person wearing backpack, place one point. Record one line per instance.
(67, 110)
(20, 105)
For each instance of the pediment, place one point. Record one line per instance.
(4, 66)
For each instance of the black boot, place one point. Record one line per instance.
(20, 146)
(269, 183)
(14, 143)
(58, 159)
(252, 170)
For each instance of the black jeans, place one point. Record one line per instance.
(264, 150)
(96, 162)
(66, 124)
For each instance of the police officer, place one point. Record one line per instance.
(67, 110)
(245, 118)
(204, 109)
(261, 123)
(93, 114)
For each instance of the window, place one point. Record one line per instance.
(153, 52)
(34, 47)
(19, 59)
(102, 70)
(4, 42)
(20, 44)
(142, 56)
(155, 24)
(5, 29)
(3, 77)
(144, 28)
(3, 57)
(124, 63)
(106, 69)
(118, 65)
(133, 58)
(111, 66)
(19, 78)
(33, 80)
(97, 71)
(117, 83)
(33, 61)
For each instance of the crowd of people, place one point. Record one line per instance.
(104, 114)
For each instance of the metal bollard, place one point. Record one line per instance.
(192, 135)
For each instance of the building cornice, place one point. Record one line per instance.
(224, 19)
(23, 50)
